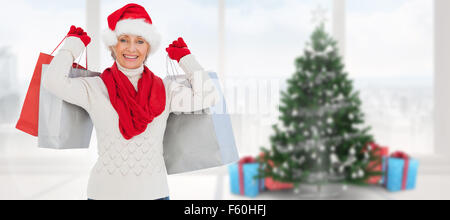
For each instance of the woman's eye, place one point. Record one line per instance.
(123, 40)
(141, 42)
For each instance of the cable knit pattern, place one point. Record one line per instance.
(126, 169)
(138, 156)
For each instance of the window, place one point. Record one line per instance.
(390, 56)
(41, 26)
(262, 42)
(33, 173)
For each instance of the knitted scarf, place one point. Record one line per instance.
(136, 109)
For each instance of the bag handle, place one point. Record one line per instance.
(174, 70)
(78, 63)
(58, 45)
(79, 59)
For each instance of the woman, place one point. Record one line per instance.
(128, 104)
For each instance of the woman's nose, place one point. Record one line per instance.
(132, 48)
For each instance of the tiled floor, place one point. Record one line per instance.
(27, 172)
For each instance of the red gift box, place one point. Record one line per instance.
(273, 185)
(381, 152)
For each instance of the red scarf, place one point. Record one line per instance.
(135, 109)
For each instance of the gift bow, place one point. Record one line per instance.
(404, 156)
(243, 161)
(400, 154)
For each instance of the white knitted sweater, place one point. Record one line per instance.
(126, 169)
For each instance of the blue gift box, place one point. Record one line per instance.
(252, 186)
(394, 174)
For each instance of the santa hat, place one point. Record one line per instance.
(131, 19)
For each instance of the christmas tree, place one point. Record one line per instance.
(321, 136)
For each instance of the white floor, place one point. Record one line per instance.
(27, 172)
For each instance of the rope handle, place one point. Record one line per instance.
(174, 69)
(169, 61)
(79, 59)
(78, 63)
(58, 45)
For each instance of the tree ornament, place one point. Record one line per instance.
(330, 131)
(333, 148)
(334, 158)
(352, 151)
(330, 120)
(360, 173)
(306, 133)
(322, 148)
(290, 148)
(351, 116)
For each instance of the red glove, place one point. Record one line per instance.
(178, 49)
(79, 32)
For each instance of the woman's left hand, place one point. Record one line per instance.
(178, 49)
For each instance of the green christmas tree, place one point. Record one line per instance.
(321, 136)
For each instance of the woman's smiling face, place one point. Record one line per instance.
(131, 51)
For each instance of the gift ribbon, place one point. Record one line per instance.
(404, 156)
(241, 164)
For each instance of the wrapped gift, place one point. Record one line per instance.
(401, 172)
(273, 185)
(378, 166)
(243, 177)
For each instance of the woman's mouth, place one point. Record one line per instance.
(130, 57)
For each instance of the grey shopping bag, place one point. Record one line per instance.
(63, 125)
(199, 141)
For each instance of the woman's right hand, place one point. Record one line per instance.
(80, 33)
(77, 40)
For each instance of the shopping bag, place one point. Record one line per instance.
(29, 117)
(63, 125)
(200, 140)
